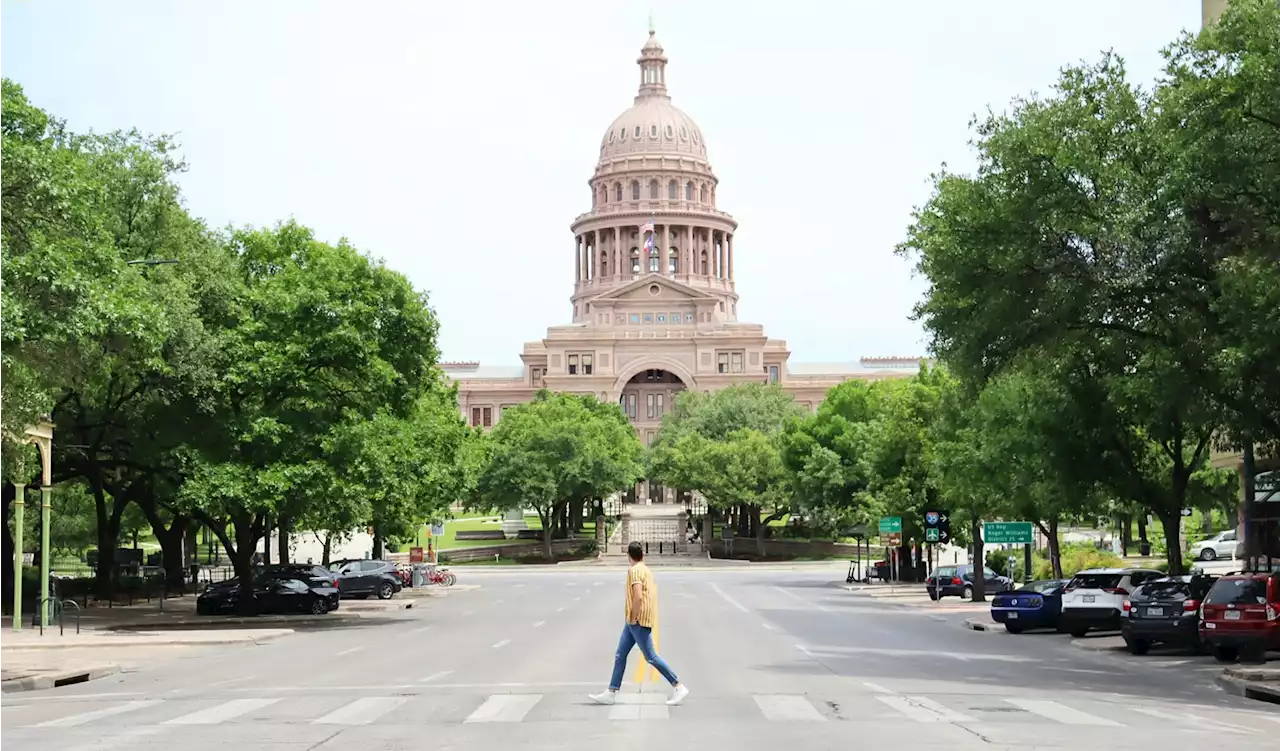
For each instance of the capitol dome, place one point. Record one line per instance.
(653, 125)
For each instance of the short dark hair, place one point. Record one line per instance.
(635, 551)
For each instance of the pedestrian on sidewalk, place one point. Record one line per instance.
(637, 630)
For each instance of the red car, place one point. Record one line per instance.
(1241, 616)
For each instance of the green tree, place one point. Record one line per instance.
(556, 450)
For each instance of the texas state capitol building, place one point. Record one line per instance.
(653, 313)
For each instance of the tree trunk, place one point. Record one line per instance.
(1142, 526)
(282, 544)
(377, 544)
(326, 550)
(1172, 521)
(266, 546)
(759, 529)
(1126, 533)
(171, 552)
(548, 522)
(108, 538)
(1055, 549)
(979, 561)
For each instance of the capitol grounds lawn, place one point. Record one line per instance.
(483, 523)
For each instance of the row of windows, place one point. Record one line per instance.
(580, 363)
(661, 318)
(654, 405)
(655, 192)
(637, 132)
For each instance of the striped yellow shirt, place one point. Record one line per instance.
(641, 574)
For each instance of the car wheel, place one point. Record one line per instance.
(968, 592)
(1078, 631)
(319, 607)
(1013, 628)
(933, 595)
(1137, 646)
(385, 590)
(1208, 554)
(1225, 654)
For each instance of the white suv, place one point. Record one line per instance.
(1094, 598)
(1221, 545)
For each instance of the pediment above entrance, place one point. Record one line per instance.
(653, 288)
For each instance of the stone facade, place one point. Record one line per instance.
(655, 310)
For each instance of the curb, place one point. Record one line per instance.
(1249, 689)
(974, 624)
(220, 624)
(67, 677)
(143, 639)
(1094, 645)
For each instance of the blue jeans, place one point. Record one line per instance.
(642, 636)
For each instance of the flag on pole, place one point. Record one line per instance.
(647, 226)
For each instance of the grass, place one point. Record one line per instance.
(452, 527)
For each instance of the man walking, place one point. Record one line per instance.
(637, 630)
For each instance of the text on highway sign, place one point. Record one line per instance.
(1011, 533)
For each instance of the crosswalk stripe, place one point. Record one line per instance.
(639, 712)
(1184, 718)
(784, 708)
(225, 711)
(361, 711)
(909, 708)
(79, 719)
(504, 708)
(946, 713)
(1061, 712)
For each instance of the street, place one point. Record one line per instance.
(771, 656)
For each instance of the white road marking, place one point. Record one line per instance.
(420, 629)
(362, 711)
(910, 708)
(795, 596)
(498, 602)
(782, 708)
(76, 720)
(596, 584)
(518, 586)
(227, 711)
(727, 598)
(118, 738)
(768, 626)
(501, 644)
(538, 624)
(349, 651)
(922, 653)
(559, 610)
(1184, 718)
(1060, 712)
(804, 649)
(229, 681)
(947, 714)
(576, 599)
(434, 676)
(504, 708)
(383, 687)
(877, 688)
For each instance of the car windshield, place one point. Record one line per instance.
(1095, 581)
(1238, 592)
(1042, 587)
(1169, 589)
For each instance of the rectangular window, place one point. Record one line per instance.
(648, 438)
(649, 404)
(662, 318)
(635, 318)
(631, 406)
(586, 364)
(722, 362)
(775, 374)
(675, 318)
(536, 376)
(735, 362)
(488, 417)
(648, 318)
(573, 364)
(475, 416)
(661, 399)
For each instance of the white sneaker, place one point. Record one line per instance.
(678, 695)
(604, 697)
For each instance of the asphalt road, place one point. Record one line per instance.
(772, 658)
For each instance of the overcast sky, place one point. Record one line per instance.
(455, 139)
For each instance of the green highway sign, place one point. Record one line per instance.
(890, 524)
(931, 534)
(1011, 533)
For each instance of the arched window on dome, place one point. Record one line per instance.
(703, 197)
(617, 190)
(673, 190)
(655, 260)
(635, 190)
(673, 261)
(635, 261)
(603, 269)
(688, 191)
(704, 263)
(653, 190)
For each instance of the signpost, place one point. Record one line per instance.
(891, 537)
(890, 524)
(415, 555)
(1012, 533)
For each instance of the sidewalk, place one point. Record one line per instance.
(1261, 683)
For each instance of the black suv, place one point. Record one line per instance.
(958, 580)
(1164, 610)
(361, 578)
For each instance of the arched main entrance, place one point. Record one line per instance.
(645, 398)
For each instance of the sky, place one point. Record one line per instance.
(455, 140)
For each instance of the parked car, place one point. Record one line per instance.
(1094, 598)
(1241, 616)
(1165, 610)
(958, 580)
(361, 578)
(1221, 545)
(312, 574)
(1036, 604)
(271, 594)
